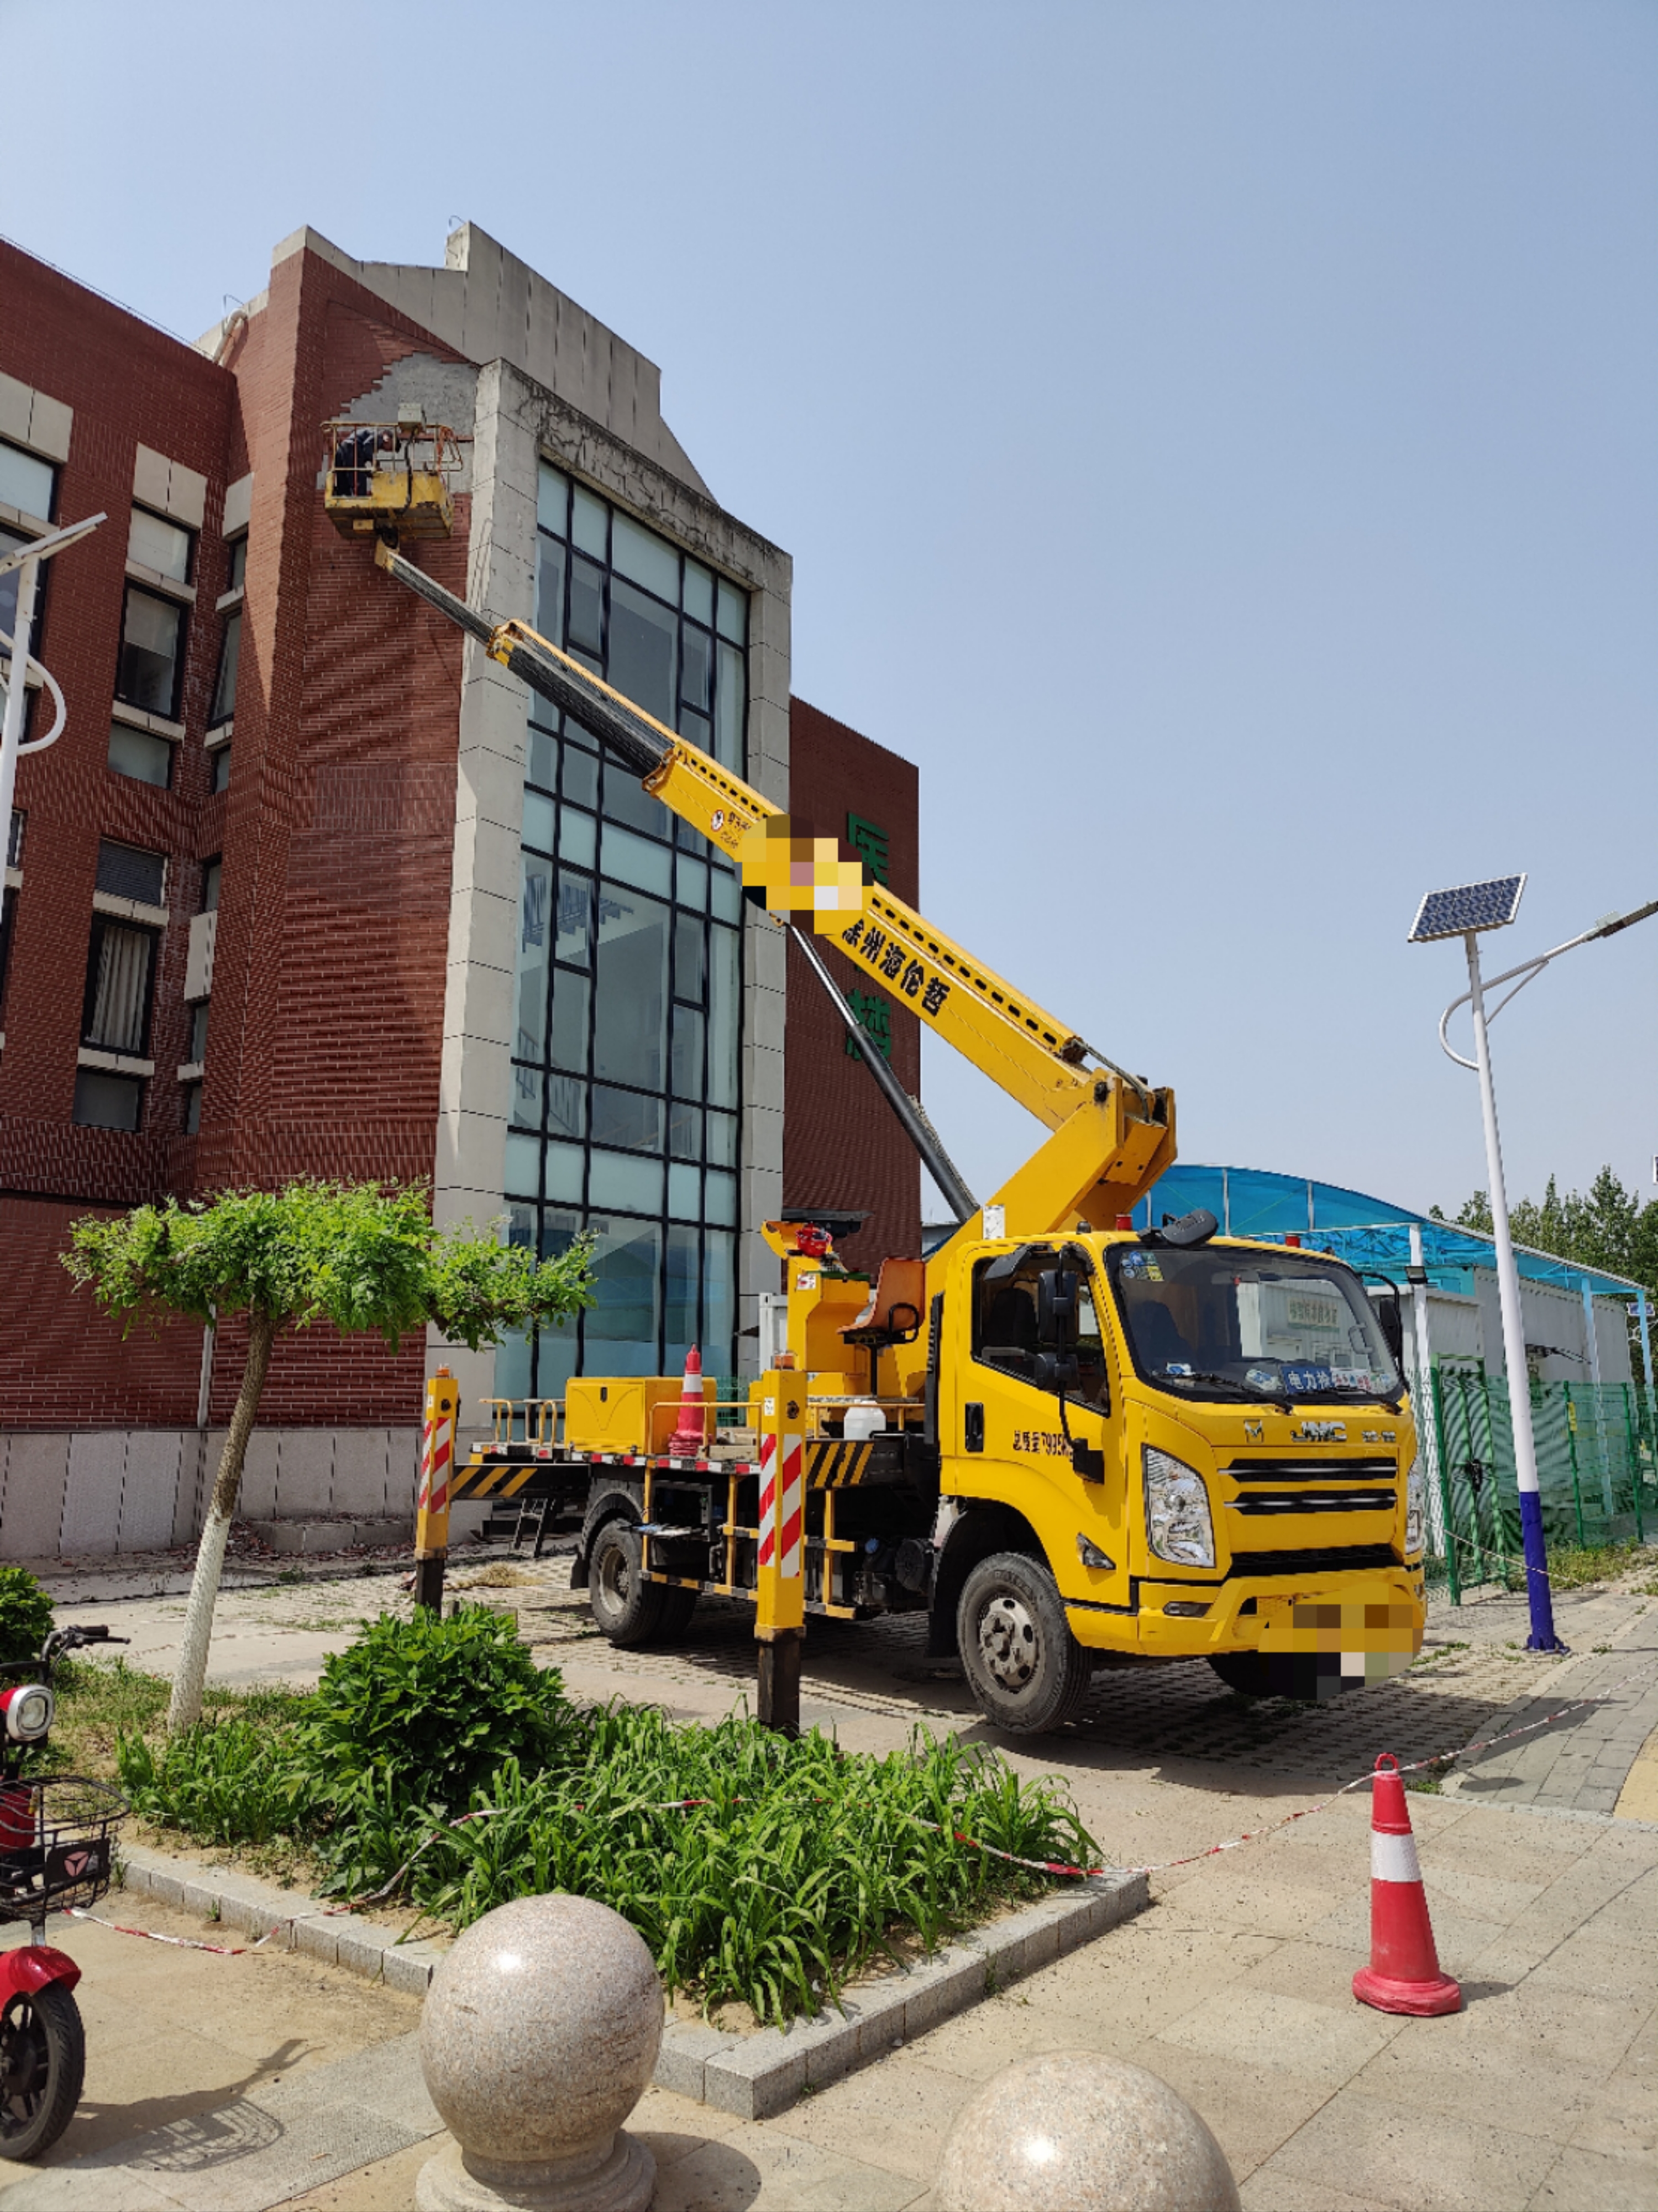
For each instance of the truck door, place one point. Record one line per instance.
(1055, 1456)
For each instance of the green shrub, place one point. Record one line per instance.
(793, 1865)
(25, 1615)
(429, 1708)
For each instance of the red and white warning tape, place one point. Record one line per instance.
(1058, 1867)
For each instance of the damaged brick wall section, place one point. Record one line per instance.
(842, 1146)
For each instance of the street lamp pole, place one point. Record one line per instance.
(1463, 912)
(1543, 1637)
(26, 560)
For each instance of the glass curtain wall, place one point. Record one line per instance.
(626, 1071)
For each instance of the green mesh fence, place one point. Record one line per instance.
(1597, 1472)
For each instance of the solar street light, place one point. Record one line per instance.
(1465, 911)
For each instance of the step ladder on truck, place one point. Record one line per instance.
(1071, 1444)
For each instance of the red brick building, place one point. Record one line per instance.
(278, 897)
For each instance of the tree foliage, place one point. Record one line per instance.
(1606, 1227)
(364, 1256)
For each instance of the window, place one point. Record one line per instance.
(125, 872)
(15, 842)
(152, 654)
(236, 564)
(190, 1101)
(118, 968)
(27, 482)
(197, 1051)
(1004, 1309)
(212, 874)
(107, 1102)
(629, 983)
(138, 753)
(161, 545)
(218, 775)
(224, 687)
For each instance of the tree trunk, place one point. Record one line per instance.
(185, 1709)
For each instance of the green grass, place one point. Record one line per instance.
(801, 1866)
(1575, 1567)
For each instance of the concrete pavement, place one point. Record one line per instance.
(1236, 1986)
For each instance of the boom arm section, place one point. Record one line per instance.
(1023, 1050)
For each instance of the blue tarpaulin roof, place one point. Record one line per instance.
(1367, 1233)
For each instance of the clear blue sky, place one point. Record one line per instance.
(1216, 440)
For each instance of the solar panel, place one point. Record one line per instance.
(1470, 906)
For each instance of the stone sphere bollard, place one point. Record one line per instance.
(538, 2037)
(1078, 2132)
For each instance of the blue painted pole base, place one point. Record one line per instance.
(1543, 1637)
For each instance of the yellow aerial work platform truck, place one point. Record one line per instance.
(1071, 1444)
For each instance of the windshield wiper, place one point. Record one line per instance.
(1231, 1382)
(1363, 1397)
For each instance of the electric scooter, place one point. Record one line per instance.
(57, 1846)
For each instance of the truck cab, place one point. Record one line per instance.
(1208, 1448)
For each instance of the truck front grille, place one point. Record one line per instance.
(1312, 1470)
(1331, 1561)
(1314, 1501)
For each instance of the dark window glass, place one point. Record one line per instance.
(567, 1107)
(212, 875)
(236, 570)
(576, 919)
(192, 1109)
(15, 842)
(224, 686)
(1005, 1325)
(632, 977)
(679, 1317)
(125, 871)
(687, 1052)
(627, 800)
(644, 650)
(722, 1139)
(534, 957)
(586, 608)
(580, 777)
(723, 1018)
(118, 969)
(218, 775)
(107, 1102)
(566, 1042)
(152, 654)
(10, 540)
(684, 1130)
(197, 1030)
(550, 593)
(696, 678)
(731, 709)
(689, 935)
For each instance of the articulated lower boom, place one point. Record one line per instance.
(1072, 1445)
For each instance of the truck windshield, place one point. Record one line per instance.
(1250, 1324)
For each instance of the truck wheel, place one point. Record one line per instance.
(627, 1608)
(1027, 1672)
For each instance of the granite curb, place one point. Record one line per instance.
(753, 2076)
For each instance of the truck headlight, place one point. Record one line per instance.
(1178, 1522)
(1415, 1509)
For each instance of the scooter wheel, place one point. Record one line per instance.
(43, 2060)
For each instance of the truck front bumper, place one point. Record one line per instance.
(1365, 1623)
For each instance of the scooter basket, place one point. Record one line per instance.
(57, 1844)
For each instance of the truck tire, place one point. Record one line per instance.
(1027, 1672)
(627, 1609)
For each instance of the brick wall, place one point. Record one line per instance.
(842, 1146)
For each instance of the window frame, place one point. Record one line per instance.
(101, 924)
(180, 611)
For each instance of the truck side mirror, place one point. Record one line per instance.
(1392, 1326)
(1056, 1309)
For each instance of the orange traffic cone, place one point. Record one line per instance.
(690, 1440)
(1403, 1975)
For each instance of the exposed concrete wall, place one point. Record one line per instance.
(490, 306)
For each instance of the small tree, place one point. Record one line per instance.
(363, 1256)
